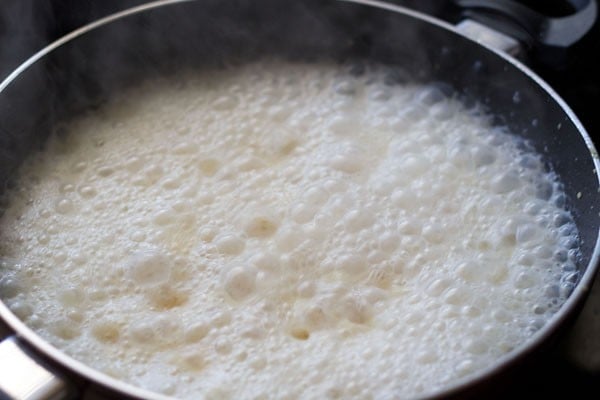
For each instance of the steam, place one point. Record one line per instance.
(23, 29)
(26, 26)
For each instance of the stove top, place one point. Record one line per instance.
(575, 362)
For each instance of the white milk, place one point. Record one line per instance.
(286, 231)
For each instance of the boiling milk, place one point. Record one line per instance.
(286, 231)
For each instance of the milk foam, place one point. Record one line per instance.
(286, 231)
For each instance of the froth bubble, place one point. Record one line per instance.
(79, 166)
(265, 261)
(314, 316)
(223, 346)
(196, 332)
(185, 148)
(353, 264)
(475, 346)
(72, 297)
(65, 329)
(442, 111)
(75, 315)
(404, 198)
(172, 183)
(552, 291)
(43, 239)
(389, 241)
(87, 191)
(543, 252)
(376, 257)
(437, 287)
(433, 232)
(97, 295)
(9, 287)
(164, 217)
(566, 288)
(254, 330)
(347, 159)
(414, 165)
(465, 367)
(225, 103)
(138, 236)
(343, 125)
(470, 271)
(221, 318)
(544, 189)
(381, 94)
(149, 267)
(303, 213)
(530, 161)
(356, 220)
(430, 95)
(261, 226)
(497, 274)
(561, 218)
(166, 297)
(279, 113)
(560, 200)
(483, 155)
(427, 357)
(240, 282)
(356, 309)
(345, 87)
(526, 233)
(306, 289)
(64, 206)
(208, 166)
(373, 295)
(105, 171)
(569, 242)
(456, 296)
(570, 278)
(230, 243)
(106, 331)
(289, 237)
(207, 233)
(66, 188)
(283, 146)
(59, 257)
(163, 328)
(315, 195)
(21, 309)
(300, 333)
(45, 213)
(153, 173)
(539, 309)
(505, 182)
(524, 280)
(134, 164)
(257, 363)
(193, 361)
(380, 276)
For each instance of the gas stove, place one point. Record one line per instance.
(27, 25)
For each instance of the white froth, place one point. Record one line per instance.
(286, 230)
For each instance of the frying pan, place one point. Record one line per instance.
(83, 69)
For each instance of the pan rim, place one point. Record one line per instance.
(506, 361)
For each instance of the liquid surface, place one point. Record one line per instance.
(286, 231)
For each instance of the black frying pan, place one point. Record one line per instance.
(83, 69)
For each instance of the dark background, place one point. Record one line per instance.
(28, 25)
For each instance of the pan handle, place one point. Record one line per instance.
(24, 377)
(548, 37)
